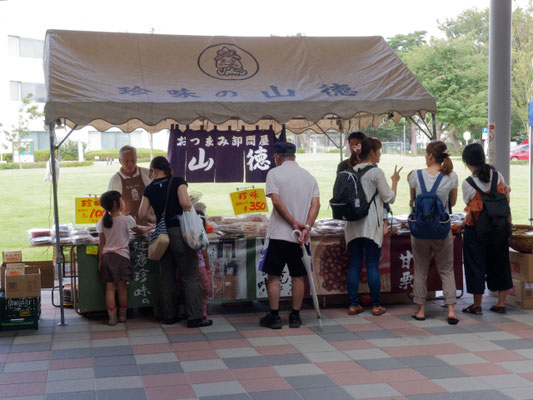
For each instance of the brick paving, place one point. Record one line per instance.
(353, 357)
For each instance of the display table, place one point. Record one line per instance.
(235, 276)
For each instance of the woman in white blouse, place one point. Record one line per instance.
(438, 163)
(365, 236)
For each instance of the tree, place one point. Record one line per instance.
(26, 112)
(474, 25)
(455, 74)
(401, 43)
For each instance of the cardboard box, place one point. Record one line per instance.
(21, 286)
(521, 266)
(12, 256)
(47, 273)
(521, 295)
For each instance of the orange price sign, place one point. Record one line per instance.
(87, 210)
(249, 201)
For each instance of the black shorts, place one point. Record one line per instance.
(281, 252)
(485, 263)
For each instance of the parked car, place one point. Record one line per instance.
(520, 153)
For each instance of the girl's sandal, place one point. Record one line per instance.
(472, 309)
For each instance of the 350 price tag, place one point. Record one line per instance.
(249, 201)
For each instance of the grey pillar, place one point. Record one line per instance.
(500, 84)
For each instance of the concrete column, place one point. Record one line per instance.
(500, 35)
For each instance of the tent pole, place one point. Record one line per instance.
(59, 258)
(530, 177)
(341, 141)
(434, 121)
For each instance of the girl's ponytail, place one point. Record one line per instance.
(474, 155)
(108, 201)
(108, 220)
(439, 151)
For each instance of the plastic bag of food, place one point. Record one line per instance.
(193, 230)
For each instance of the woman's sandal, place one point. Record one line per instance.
(377, 311)
(452, 321)
(498, 309)
(414, 316)
(472, 309)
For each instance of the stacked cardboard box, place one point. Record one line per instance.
(521, 295)
(20, 305)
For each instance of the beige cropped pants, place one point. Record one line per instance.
(442, 249)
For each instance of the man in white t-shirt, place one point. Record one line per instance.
(296, 200)
(130, 180)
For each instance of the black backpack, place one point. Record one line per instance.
(349, 201)
(492, 225)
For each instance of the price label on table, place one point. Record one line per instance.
(249, 201)
(92, 250)
(87, 210)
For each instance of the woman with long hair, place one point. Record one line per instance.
(439, 168)
(354, 141)
(483, 261)
(365, 236)
(179, 257)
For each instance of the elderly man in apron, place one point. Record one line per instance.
(130, 180)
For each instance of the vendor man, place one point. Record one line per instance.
(130, 180)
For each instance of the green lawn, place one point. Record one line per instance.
(27, 200)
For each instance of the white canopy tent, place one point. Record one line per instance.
(133, 81)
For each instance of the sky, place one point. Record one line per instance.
(31, 18)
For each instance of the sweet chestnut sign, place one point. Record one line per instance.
(87, 210)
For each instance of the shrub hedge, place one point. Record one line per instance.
(42, 164)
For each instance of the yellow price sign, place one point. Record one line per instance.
(87, 210)
(249, 201)
(91, 250)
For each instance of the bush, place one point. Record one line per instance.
(8, 157)
(42, 155)
(300, 151)
(42, 164)
(143, 155)
(335, 151)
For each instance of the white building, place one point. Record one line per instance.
(21, 72)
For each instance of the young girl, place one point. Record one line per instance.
(365, 236)
(437, 162)
(203, 263)
(114, 255)
(483, 262)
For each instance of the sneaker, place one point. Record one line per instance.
(378, 311)
(113, 319)
(170, 321)
(269, 321)
(199, 322)
(122, 314)
(294, 321)
(352, 310)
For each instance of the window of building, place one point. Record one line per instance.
(13, 46)
(15, 90)
(19, 90)
(24, 47)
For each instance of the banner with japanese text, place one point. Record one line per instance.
(200, 156)
(222, 156)
(229, 157)
(87, 210)
(177, 149)
(249, 201)
(259, 154)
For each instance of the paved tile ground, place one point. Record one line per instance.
(352, 357)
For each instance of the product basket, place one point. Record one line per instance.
(520, 240)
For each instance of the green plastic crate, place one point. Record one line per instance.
(19, 313)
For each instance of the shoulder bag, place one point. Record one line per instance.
(159, 241)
